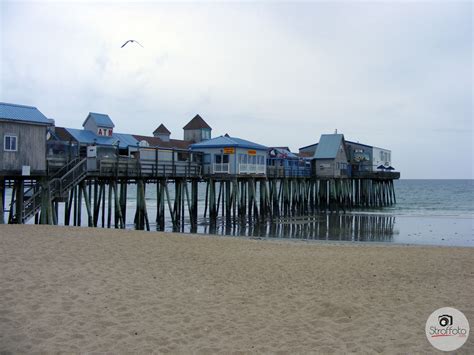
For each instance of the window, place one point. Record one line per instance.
(243, 158)
(222, 159)
(207, 158)
(10, 143)
(183, 156)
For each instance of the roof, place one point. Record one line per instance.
(328, 146)
(62, 134)
(197, 123)
(162, 129)
(348, 142)
(88, 137)
(223, 141)
(22, 113)
(101, 119)
(364, 145)
(309, 146)
(157, 142)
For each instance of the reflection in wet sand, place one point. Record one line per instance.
(333, 226)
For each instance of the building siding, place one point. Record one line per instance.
(331, 165)
(377, 154)
(31, 148)
(356, 152)
(195, 135)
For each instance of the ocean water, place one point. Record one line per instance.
(430, 212)
(434, 198)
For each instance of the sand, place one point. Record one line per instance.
(65, 289)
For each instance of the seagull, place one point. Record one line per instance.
(132, 41)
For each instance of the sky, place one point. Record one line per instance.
(397, 75)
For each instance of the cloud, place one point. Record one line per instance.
(382, 73)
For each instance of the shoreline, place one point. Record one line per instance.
(281, 240)
(76, 289)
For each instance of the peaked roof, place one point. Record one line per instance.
(197, 123)
(22, 113)
(162, 129)
(101, 119)
(328, 146)
(223, 141)
(88, 137)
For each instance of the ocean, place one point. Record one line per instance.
(429, 212)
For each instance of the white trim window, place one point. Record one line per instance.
(10, 143)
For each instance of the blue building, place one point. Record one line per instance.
(98, 131)
(232, 156)
(281, 162)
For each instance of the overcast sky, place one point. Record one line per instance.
(398, 75)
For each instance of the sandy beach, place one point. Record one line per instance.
(65, 289)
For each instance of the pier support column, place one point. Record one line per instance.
(2, 201)
(194, 205)
(19, 201)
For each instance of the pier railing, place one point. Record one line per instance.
(223, 168)
(252, 169)
(292, 171)
(60, 183)
(130, 167)
(382, 175)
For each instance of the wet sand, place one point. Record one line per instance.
(65, 289)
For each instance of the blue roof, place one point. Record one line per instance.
(101, 120)
(22, 113)
(226, 141)
(125, 139)
(87, 137)
(348, 142)
(328, 146)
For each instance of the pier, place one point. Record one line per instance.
(45, 167)
(104, 191)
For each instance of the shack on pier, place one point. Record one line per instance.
(367, 160)
(364, 160)
(98, 131)
(23, 130)
(331, 157)
(227, 155)
(281, 162)
(359, 156)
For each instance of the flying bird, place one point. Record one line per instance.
(132, 41)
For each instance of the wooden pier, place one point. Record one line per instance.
(103, 192)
